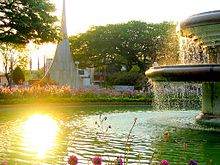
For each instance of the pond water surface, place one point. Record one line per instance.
(49, 134)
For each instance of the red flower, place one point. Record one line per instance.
(97, 160)
(73, 160)
(118, 161)
(164, 162)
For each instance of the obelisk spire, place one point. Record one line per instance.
(63, 69)
(63, 25)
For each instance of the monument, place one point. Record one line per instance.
(62, 69)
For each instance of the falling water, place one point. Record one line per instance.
(177, 95)
(182, 95)
(192, 52)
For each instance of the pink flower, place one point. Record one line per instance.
(4, 162)
(164, 162)
(97, 160)
(73, 160)
(118, 161)
(192, 162)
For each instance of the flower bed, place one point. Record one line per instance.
(66, 94)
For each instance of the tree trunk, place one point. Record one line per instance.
(7, 77)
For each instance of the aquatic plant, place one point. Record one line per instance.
(118, 161)
(97, 160)
(192, 162)
(164, 162)
(73, 160)
(126, 144)
(100, 124)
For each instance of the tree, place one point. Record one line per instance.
(169, 53)
(18, 76)
(126, 44)
(12, 55)
(22, 21)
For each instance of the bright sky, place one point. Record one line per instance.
(82, 14)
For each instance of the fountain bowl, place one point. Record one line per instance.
(189, 73)
(201, 19)
(203, 27)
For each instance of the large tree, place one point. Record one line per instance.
(25, 20)
(127, 44)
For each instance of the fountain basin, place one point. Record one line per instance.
(201, 19)
(193, 73)
(202, 27)
(207, 74)
(207, 119)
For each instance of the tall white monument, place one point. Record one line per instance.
(62, 69)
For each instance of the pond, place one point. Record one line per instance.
(49, 134)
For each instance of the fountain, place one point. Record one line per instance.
(202, 29)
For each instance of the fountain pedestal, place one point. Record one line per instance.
(211, 98)
(210, 104)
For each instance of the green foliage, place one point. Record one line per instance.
(133, 77)
(22, 21)
(142, 82)
(169, 53)
(45, 81)
(135, 69)
(126, 44)
(19, 54)
(123, 78)
(18, 76)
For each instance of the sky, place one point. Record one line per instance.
(82, 14)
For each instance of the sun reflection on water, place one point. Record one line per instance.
(39, 134)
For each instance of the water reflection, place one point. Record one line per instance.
(50, 135)
(39, 134)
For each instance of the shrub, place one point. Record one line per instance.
(123, 78)
(18, 76)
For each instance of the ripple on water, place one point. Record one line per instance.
(78, 135)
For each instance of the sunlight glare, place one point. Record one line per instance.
(39, 134)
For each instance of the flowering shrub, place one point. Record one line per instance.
(36, 92)
(54, 91)
(107, 92)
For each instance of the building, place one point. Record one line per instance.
(3, 80)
